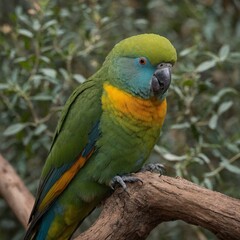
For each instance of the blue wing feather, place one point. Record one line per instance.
(54, 175)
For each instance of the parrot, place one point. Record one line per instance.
(106, 132)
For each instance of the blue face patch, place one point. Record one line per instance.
(134, 75)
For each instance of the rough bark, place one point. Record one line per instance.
(133, 214)
(17, 196)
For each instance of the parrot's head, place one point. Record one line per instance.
(141, 65)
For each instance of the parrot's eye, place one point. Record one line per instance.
(142, 61)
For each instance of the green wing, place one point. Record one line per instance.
(72, 146)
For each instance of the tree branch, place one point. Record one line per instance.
(17, 196)
(133, 214)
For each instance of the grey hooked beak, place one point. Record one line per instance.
(161, 79)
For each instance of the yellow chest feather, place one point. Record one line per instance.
(148, 111)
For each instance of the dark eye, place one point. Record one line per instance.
(142, 61)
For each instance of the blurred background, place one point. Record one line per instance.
(47, 48)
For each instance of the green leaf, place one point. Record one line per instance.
(233, 147)
(25, 32)
(64, 73)
(141, 23)
(13, 129)
(224, 107)
(79, 78)
(204, 157)
(195, 179)
(3, 86)
(181, 126)
(49, 72)
(206, 65)
(221, 93)
(230, 167)
(173, 157)
(208, 183)
(45, 59)
(40, 129)
(213, 122)
(20, 60)
(234, 57)
(186, 51)
(36, 25)
(167, 155)
(49, 24)
(224, 52)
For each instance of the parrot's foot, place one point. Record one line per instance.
(121, 180)
(154, 167)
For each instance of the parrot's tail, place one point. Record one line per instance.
(61, 226)
(41, 232)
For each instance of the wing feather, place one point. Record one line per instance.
(73, 144)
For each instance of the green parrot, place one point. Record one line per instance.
(107, 130)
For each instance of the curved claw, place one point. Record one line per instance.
(121, 180)
(154, 167)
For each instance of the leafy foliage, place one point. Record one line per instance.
(47, 50)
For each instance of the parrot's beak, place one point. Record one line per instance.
(161, 79)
